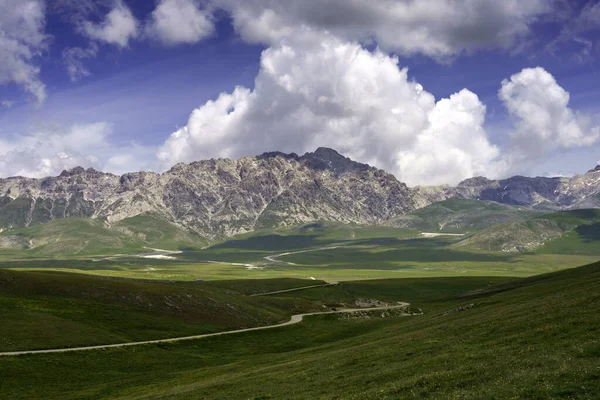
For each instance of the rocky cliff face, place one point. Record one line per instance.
(217, 197)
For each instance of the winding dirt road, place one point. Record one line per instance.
(294, 320)
(295, 289)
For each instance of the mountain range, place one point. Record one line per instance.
(222, 197)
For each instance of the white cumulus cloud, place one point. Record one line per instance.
(180, 21)
(316, 90)
(22, 40)
(544, 122)
(118, 27)
(454, 145)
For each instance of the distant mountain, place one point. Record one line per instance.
(218, 198)
(578, 192)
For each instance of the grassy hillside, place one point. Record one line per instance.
(565, 232)
(84, 236)
(53, 309)
(459, 215)
(534, 338)
(155, 231)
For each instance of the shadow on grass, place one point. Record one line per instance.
(84, 265)
(273, 242)
(589, 233)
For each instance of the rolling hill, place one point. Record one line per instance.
(462, 215)
(85, 236)
(563, 232)
(56, 309)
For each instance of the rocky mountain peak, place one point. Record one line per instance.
(72, 172)
(595, 169)
(326, 159)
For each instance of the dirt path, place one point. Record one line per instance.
(294, 320)
(271, 259)
(275, 258)
(295, 289)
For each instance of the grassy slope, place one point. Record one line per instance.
(462, 215)
(537, 338)
(565, 232)
(52, 309)
(584, 239)
(84, 236)
(155, 231)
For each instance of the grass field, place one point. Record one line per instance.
(308, 255)
(532, 338)
(322, 250)
(55, 309)
(317, 266)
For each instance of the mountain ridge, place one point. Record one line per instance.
(217, 197)
(224, 197)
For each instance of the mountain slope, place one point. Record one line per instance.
(540, 232)
(86, 236)
(461, 215)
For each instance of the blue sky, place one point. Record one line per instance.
(145, 66)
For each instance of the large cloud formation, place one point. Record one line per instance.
(438, 28)
(318, 85)
(316, 90)
(22, 40)
(544, 122)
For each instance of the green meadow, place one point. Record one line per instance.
(320, 251)
(477, 338)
